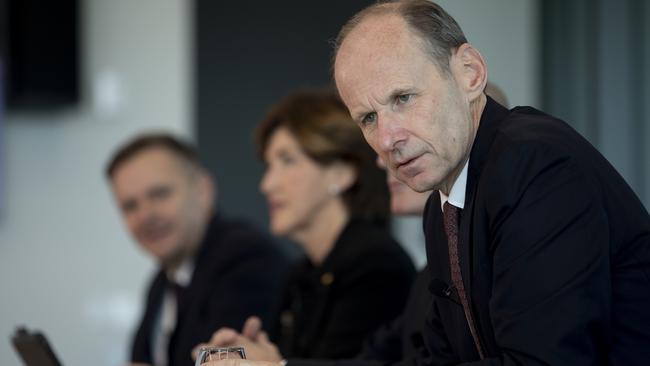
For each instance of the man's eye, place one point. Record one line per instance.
(160, 193)
(129, 206)
(369, 118)
(403, 98)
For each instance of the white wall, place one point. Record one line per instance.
(67, 266)
(507, 34)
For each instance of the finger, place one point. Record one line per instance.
(263, 337)
(223, 337)
(252, 327)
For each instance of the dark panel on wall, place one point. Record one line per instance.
(41, 47)
(3, 29)
(248, 55)
(569, 64)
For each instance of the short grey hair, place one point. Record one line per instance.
(438, 31)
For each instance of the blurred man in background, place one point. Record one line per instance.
(213, 272)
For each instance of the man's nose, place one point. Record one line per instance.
(390, 132)
(145, 212)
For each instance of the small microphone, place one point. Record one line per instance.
(440, 288)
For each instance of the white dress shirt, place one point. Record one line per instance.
(166, 322)
(457, 192)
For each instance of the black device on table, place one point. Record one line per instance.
(34, 348)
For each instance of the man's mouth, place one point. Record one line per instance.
(156, 232)
(406, 163)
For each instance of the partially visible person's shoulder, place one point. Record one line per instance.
(241, 228)
(246, 237)
(375, 246)
(371, 237)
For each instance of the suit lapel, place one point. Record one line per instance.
(471, 245)
(492, 115)
(205, 265)
(436, 240)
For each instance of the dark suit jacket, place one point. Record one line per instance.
(402, 340)
(237, 274)
(399, 342)
(554, 250)
(327, 311)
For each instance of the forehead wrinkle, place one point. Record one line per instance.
(365, 101)
(384, 32)
(383, 45)
(369, 31)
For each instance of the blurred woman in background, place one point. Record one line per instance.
(326, 194)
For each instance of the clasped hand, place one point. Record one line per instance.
(260, 351)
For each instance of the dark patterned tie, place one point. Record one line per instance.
(451, 214)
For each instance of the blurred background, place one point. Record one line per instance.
(78, 77)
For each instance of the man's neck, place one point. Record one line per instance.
(182, 256)
(476, 109)
(449, 183)
(172, 264)
(189, 250)
(182, 274)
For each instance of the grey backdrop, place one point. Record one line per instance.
(248, 55)
(596, 76)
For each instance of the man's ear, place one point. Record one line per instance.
(207, 189)
(469, 70)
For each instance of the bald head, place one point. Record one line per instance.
(437, 32)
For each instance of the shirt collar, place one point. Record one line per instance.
(183, 274)
(457, 193)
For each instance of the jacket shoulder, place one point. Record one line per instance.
(372, 248)
(243, 237)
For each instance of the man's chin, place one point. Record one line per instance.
(416, 183)
(164, 253)
(165, 258)
(408, 180)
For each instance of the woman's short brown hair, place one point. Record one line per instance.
(321, 124)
